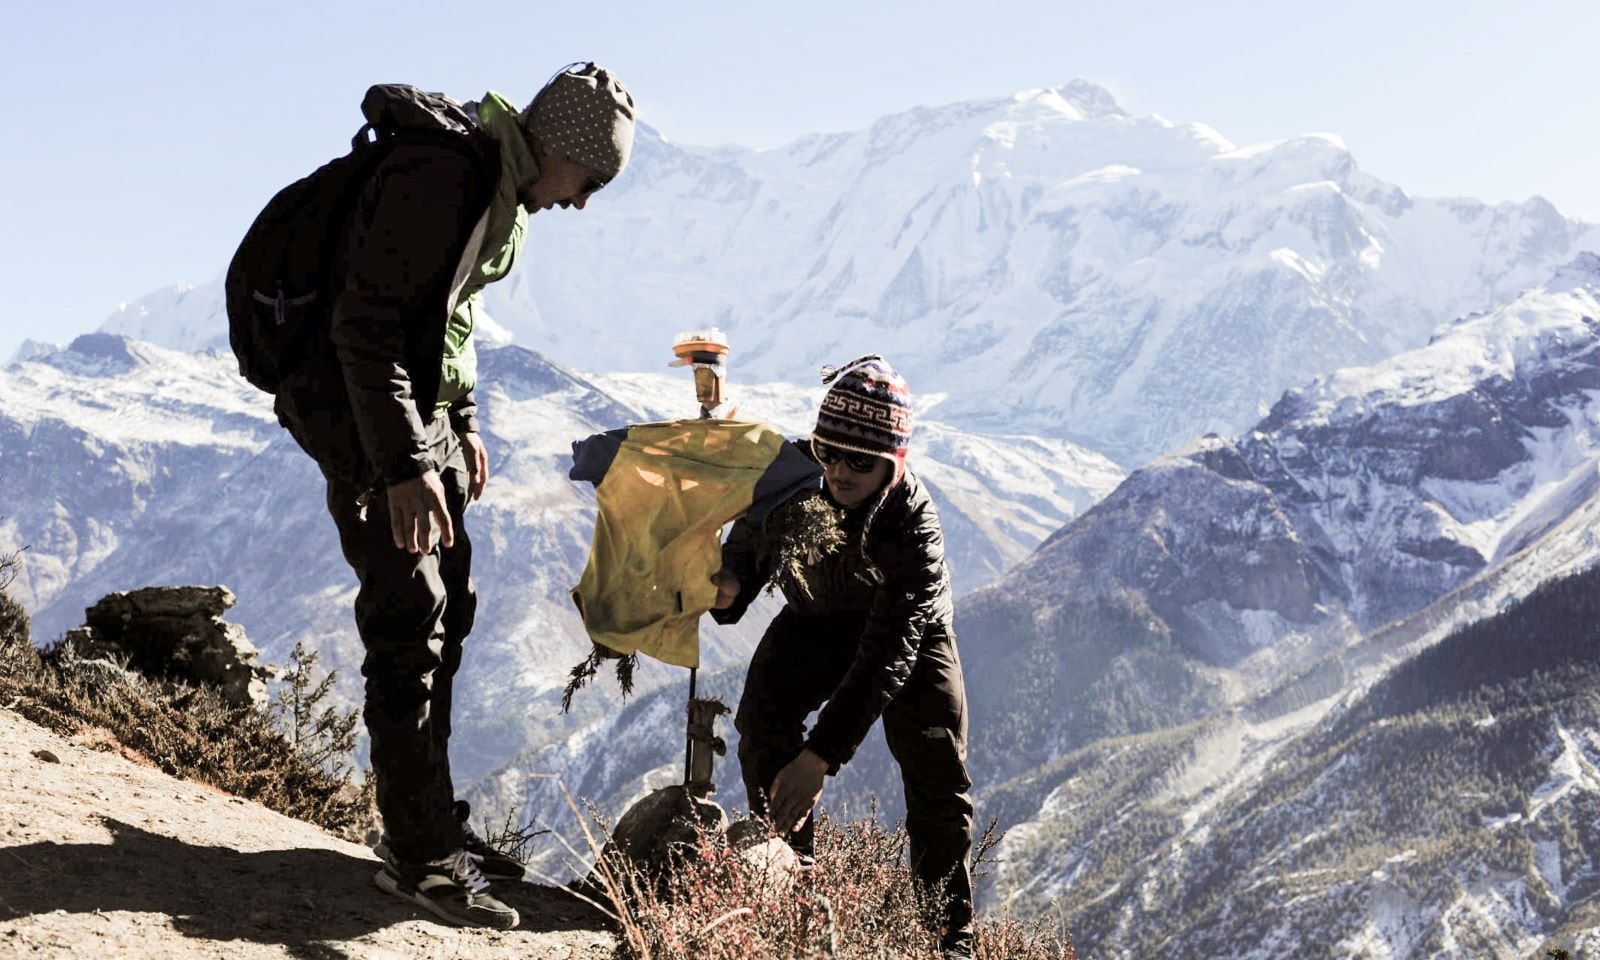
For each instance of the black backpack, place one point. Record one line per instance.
(280, 285)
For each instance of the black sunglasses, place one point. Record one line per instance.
(828, 455)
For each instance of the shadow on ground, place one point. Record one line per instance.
(306, 900)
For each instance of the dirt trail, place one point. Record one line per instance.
(101, 857)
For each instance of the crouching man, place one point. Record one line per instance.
(865, 632)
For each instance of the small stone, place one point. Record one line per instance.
(47, 756)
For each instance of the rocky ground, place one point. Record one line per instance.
(103, 856)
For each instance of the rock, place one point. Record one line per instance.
(665, 822)
(668, 824)
(177, 633)
(94, 669)
(764, 853)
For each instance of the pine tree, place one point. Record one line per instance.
(322, 735)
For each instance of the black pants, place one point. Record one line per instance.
(798, 664)
(413, 613)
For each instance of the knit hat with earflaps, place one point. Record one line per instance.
(867, 409)
(585, 115)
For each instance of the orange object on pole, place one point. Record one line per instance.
(707, 352)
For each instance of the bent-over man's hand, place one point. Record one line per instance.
(477, 456)
(414, 507)
(796, 790)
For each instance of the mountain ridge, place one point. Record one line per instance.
(1057, 266)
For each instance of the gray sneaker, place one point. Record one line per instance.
(452, 889)
(491, 862)
(494, 864)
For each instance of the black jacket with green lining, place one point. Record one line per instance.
(360, 404)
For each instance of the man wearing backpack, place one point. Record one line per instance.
(384, 402)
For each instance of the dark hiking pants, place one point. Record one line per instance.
(797, 666)
(412, 612)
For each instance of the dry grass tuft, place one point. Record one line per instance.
(858, 901)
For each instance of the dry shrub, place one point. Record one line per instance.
(807, 529)
(187, 732)
(858, 901)
(13, 619)
(513, 837)
(1009, 937)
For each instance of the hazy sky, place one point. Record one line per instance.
(140, 139)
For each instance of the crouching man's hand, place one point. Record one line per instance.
(414, 507)
(727, 588)
(796, 790)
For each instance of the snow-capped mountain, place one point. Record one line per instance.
(180, 317)
(1053, 264)
(124, 464)
(31, 349)
(1152, 672)
(1361, 498)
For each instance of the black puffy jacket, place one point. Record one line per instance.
(359, 405)
(900, 587)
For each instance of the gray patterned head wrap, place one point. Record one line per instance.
(585, 115)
